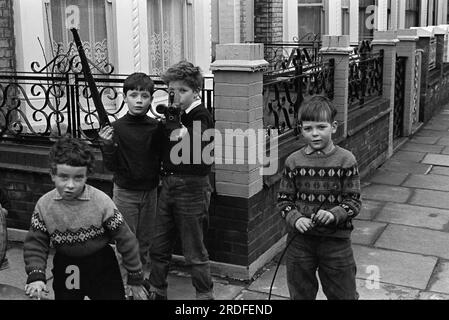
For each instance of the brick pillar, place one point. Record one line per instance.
(406, 47)
(424, 34)
(387, 40)
(238, 77)
(7, 56)
(338, 48)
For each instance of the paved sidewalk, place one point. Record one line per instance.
(402, 231)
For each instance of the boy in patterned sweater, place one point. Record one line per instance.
(319, 195)
(79, 221)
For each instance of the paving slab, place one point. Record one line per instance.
(420, 147)
(428, 295)
(432, 133)
(180, 288)
(425, 140)
(440, 278)
(436, 126)
(254, 295)
(444, 171)
(408, 156)
(280, 288)
(444, 141)
(392, 165)
(436, 159)
(384, 291)
(366, 232)
(386, 193)
(445, 150)
(430, 198)
(415, 240)
(369, 209)
(415, 216)
(427, 181)
(399, 268)
(389, 178)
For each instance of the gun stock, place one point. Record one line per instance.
(102, 114)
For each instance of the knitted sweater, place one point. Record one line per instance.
(135, 155)
(78, 228)
(327, 181)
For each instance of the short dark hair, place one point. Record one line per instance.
(138, 81)
(72, 152)
(184, 71)
(318, 108)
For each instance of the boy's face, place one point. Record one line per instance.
(69, 181)
(318, 134)
(138, 102)
(184, 95)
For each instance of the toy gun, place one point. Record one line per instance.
(102, 114)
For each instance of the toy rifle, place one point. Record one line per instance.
(102, 114)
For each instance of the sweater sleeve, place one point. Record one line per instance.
(36, 248)
(351, 202)
(287, 196)
(126, 243)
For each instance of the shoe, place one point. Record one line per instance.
(5, 264)
(152, 295)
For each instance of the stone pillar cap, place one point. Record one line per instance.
(424, 32)
(239, 65)
(389, 37)
(408, 34)
(335, 44)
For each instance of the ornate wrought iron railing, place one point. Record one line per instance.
(365, 76)
(285, 90)
(55, 99)
(283, 55)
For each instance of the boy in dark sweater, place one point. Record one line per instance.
(319, 195)
(131, 150)
(79, 221)
(185, 194)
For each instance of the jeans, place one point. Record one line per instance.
(182, 209)
(139, 211)
(96, 276)
(334, 260)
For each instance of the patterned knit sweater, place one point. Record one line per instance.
(328, 181)
(78, 228)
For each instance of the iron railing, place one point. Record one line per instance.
(285, 90)
(283, 55)
(55, 99)
(365, 76)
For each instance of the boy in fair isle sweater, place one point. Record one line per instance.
(79, 221)
(319, 195)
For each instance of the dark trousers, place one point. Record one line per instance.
(96, 276)
(334, 260)
(182, 209)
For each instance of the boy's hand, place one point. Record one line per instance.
(106, 134)
(137, 292)
(35, 289)
(323, 217)
(304, 224)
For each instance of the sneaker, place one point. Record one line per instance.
(5, 264)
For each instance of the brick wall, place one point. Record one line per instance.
(7, 61)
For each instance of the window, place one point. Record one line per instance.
(168, 22)
(310, 17)
(412, 13)
(92, 28)
(367, 19)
